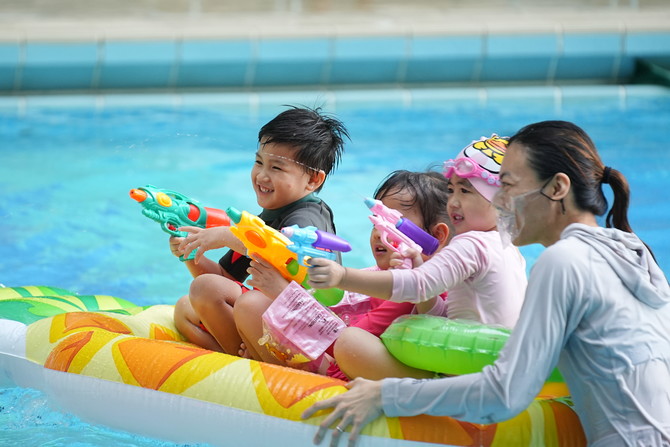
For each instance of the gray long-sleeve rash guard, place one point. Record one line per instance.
(596, 304)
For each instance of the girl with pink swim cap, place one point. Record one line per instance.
(485, 280)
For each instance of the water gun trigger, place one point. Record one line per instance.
(171, 228)
(391, 245)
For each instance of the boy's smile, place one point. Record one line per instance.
(277, 178)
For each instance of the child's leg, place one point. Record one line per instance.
(358, 353)
(248, 311)
(187, 322)
(213, 297)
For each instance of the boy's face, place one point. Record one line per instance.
(277, 178)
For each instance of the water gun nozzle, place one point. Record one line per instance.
(369, 202)
(234, 214)
(138, 195)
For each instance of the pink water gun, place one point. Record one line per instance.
(399, 233)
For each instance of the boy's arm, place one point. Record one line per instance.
(203, 240)
(204, 265)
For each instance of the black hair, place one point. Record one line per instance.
(561, 146)
(317, 137)
(428, 190)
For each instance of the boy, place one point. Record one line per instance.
(297, 151)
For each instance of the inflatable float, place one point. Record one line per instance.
(113, 363)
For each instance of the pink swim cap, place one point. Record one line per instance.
(485, 156)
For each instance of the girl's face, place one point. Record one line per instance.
(521, 195)
(467, 208)
(400, 201)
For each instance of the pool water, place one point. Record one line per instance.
(68, 221)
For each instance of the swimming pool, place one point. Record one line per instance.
(68, 164)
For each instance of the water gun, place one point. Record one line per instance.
(273, 246)
(308, 242)
(173, 210)
(399, 233)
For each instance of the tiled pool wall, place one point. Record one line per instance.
(551, 58)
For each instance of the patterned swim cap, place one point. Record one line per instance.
(486, 155)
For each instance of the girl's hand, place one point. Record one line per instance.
(396, 261)
(356, 408)
(265, 277)
(324, 273)
(201, 239)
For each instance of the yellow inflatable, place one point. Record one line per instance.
(132, 370)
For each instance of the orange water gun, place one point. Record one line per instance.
(173, 210)
(273, 246)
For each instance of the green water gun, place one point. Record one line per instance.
(173, 210)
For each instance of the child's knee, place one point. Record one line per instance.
(184, 315)
(348, 343)
(202, 286)
(210, 288)
(251, 305)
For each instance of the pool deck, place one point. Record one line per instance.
(196, 19)
(172, 45)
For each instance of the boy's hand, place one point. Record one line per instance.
(325, 274)
(175, 242)
(265, 277)
(201, 239)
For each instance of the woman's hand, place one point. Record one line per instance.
(324, 273)
(356, 408)
(265, 277)
(201, 239)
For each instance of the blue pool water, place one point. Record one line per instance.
(68, 221)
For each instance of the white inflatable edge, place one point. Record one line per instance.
(156, 414)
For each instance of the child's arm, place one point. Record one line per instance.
(324, 274)
(206, 239)
(397, 261)
(266, 278)
(203, 266)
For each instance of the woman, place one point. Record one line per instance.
(596, 304)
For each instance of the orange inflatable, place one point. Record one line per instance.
(135, 372)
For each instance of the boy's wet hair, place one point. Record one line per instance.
(428, 190)
(318, 138)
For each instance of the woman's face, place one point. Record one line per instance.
(520, 195)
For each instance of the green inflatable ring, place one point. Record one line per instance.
(32, 303)
(452, 347)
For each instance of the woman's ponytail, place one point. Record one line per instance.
(617, 217)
